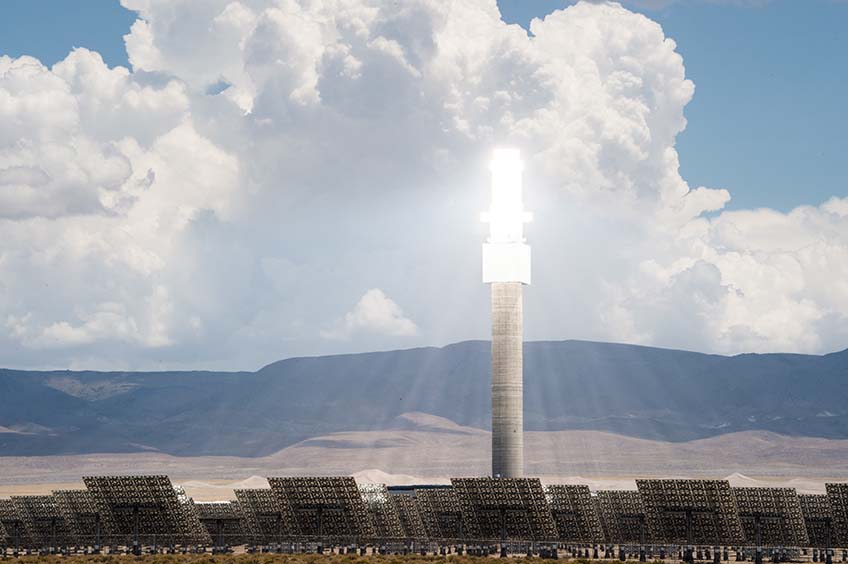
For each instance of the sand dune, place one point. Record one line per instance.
(431, 450)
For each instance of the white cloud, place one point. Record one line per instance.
(145, 221)
(64, 128)
(374, 313)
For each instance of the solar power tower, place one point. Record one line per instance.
(81, 515)
(771, 517)
(574, 513)
(691, 512)
(43, 521)
(504, 509)
(266, 519)
(442, 514)
(622, 516)
(141, 511)
(837, 496)
(12, 521)
(383, 512)
(325, 509)
(410, 516)
(506, 266)
(817, 519)
(224, 522)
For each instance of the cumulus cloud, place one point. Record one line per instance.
(262, 162)
(376, 313)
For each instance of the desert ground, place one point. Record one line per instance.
(436, 449)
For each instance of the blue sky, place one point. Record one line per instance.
(48, 29)
(768, 120)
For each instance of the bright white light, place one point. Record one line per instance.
(506, 258)
(506, 216)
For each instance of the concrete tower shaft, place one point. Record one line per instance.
(506, 266)
(507, 380)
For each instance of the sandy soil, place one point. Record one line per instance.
(441, 449)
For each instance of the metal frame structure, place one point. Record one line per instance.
(837, 497)
(141, 511)
(266, 520)
(44, 522)
(81, 515)
(138, 512)
(771, 517)
(504, 509)
(325, 509)
(441, 513)
(383, 512)
(622, 516)
(691, 512)
(197, 533)
(410, 516)
(818, 519)
(224, 522)
(574, 513)
(12, 521)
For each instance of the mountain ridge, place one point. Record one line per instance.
(550, 341)
(425, 347)
(631, 390)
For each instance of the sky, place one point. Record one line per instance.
(265, 179)
(767, 74)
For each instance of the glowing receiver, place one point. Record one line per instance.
(506, 257)
(506, 263)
